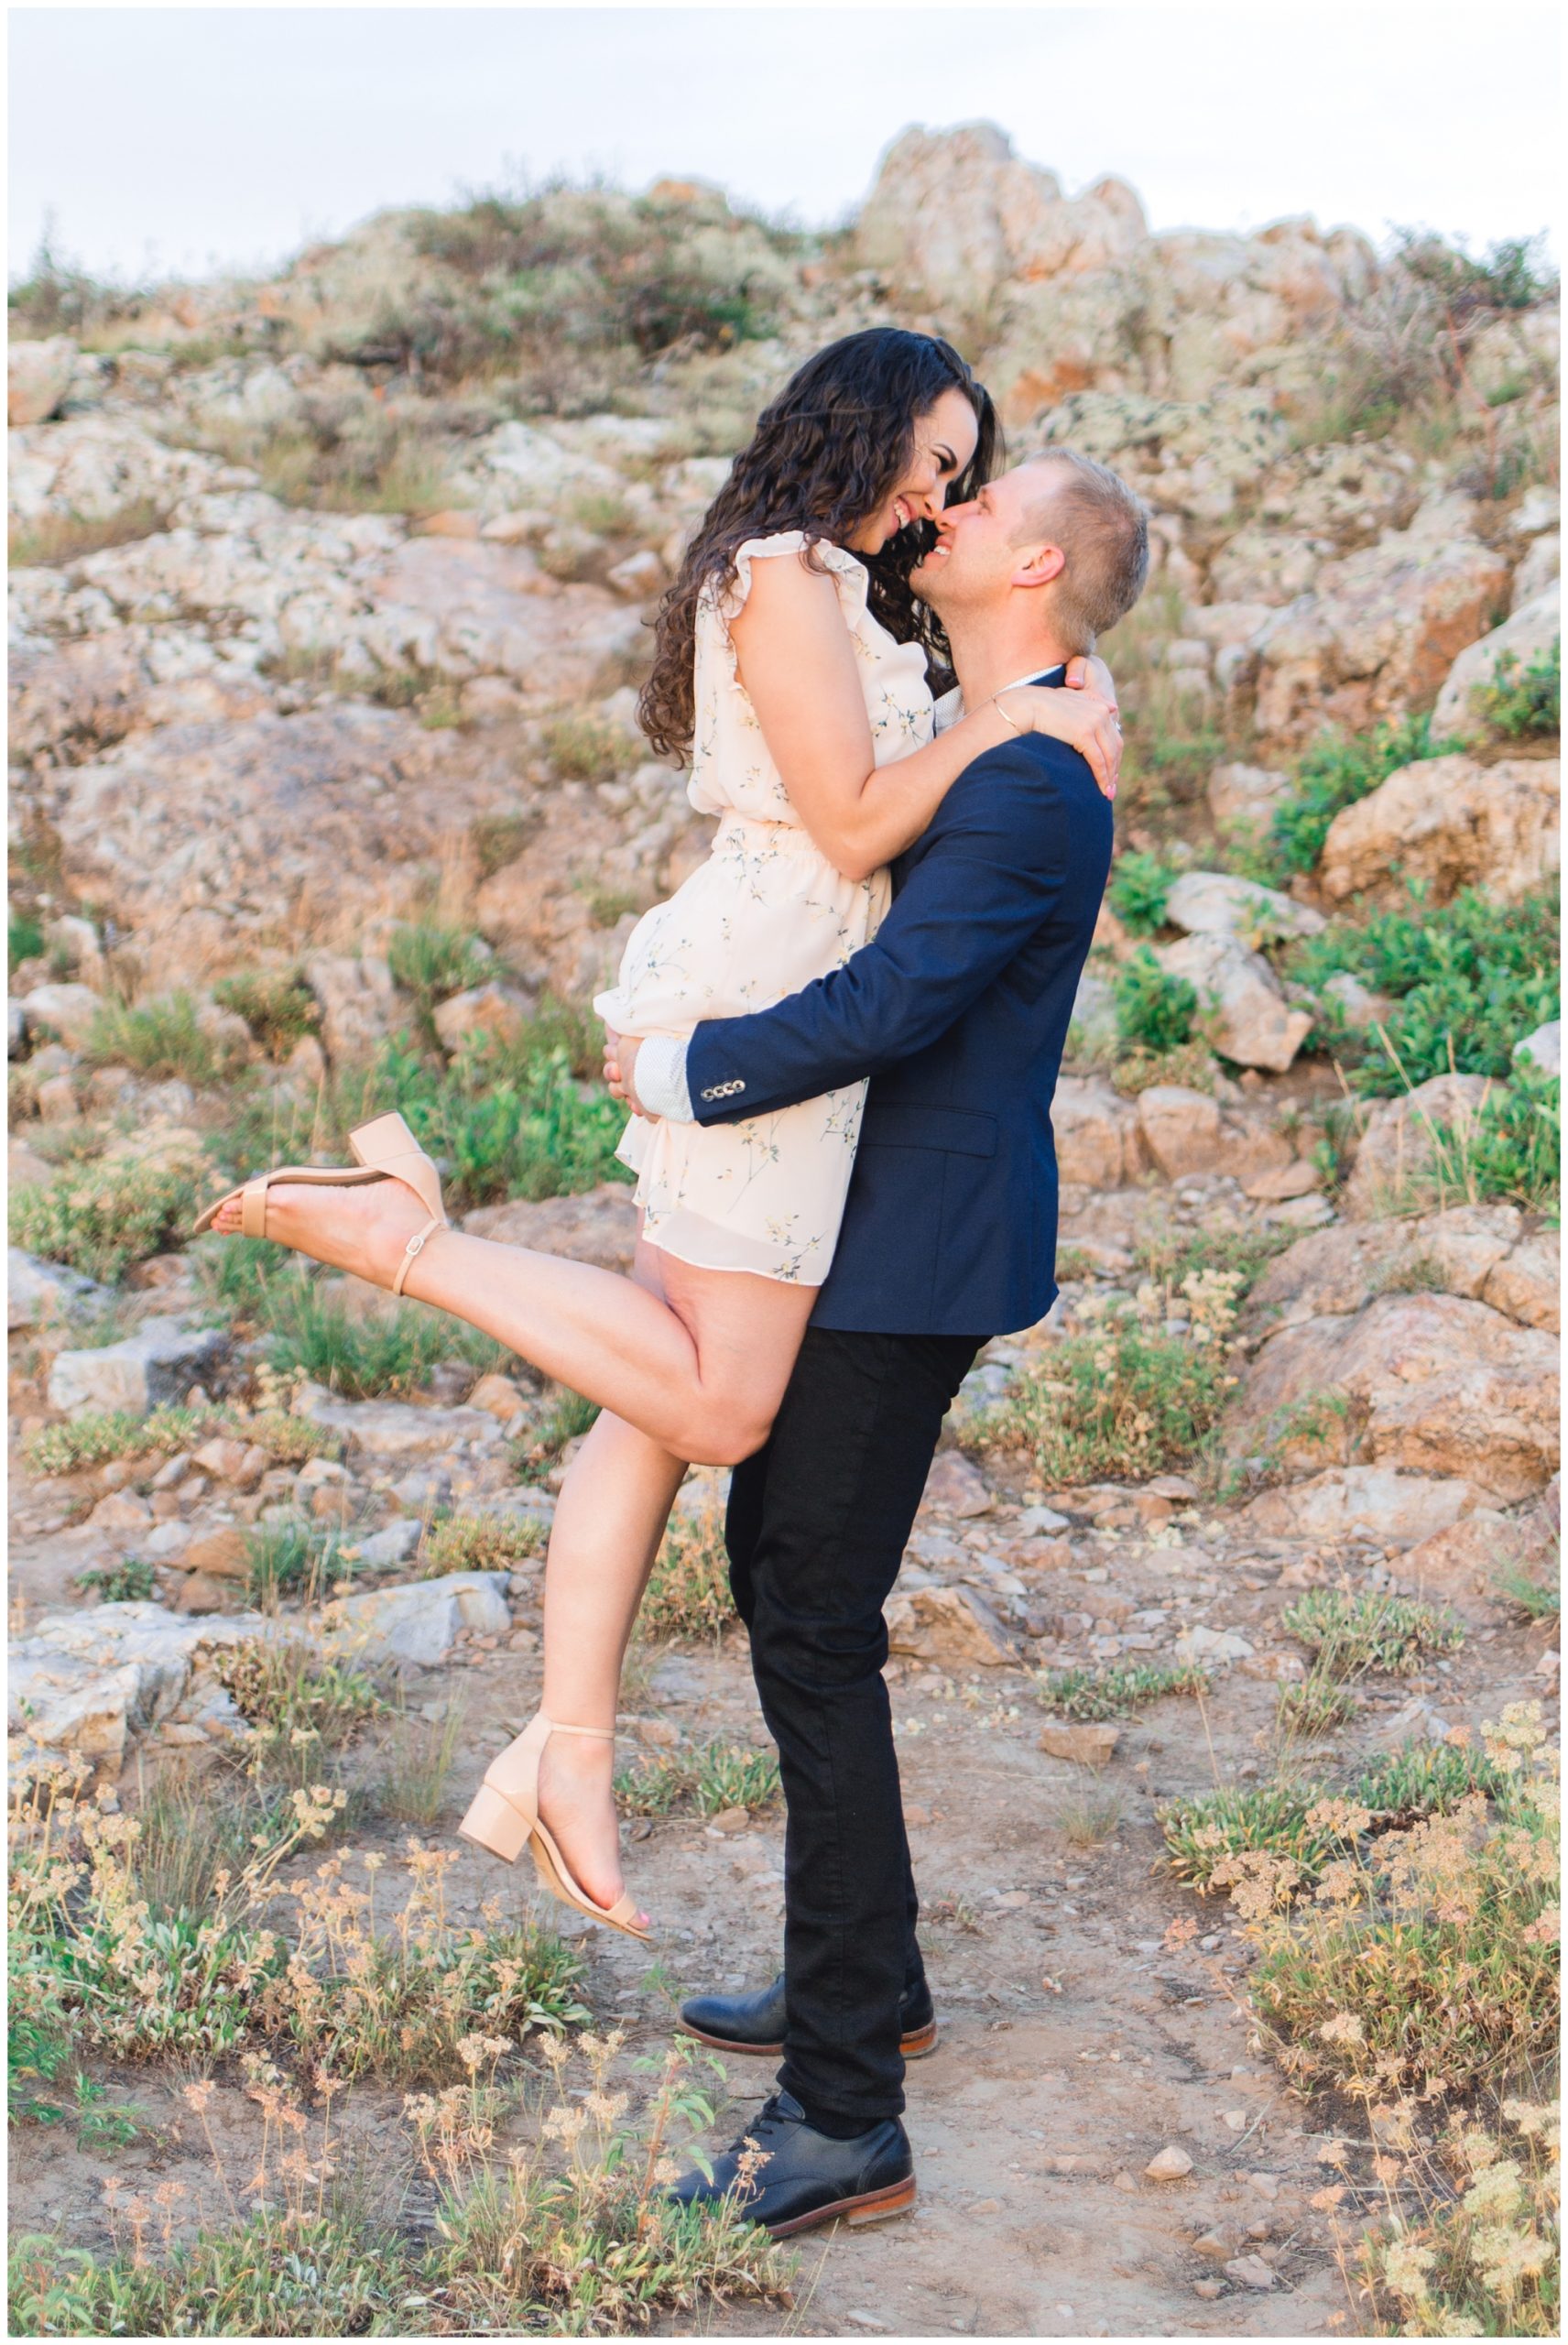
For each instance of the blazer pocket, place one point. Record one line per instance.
(955, 1131)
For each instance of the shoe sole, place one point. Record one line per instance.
(917, 2045)
(873, 2206)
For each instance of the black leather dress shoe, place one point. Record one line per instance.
(755, 2023)
(806, 2178)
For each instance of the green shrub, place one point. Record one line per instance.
(1467, 984)
(1123, 1403)
(275, 1004)
(584, 749)
(1334, 773)
(1140, 886)
(703, 1781)
(1350, 1634)
(1426, 1779)
(539, 1446)
(131, 1582)
(1428, 1961)
(433, 961)
(1117, 1693)
(512, 1120)
(568, 273)
(1154, 1011)
(1523, 703)
(1205, 1836)
(101, 1215)
(500, 839)
(483, 1542)
(99, 1435)
(24, 938)
(1512, 1147)
(316, 1334)
(160, 1039)
(688, 1593)
(292, 1556)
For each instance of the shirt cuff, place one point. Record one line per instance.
(660, 1079)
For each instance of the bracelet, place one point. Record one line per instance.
(1019, 729)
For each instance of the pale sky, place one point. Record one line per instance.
(185, 139)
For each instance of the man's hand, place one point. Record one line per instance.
(620, 1070)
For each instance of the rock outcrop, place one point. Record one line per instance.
(1449, 823)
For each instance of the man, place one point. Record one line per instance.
(958, 1011)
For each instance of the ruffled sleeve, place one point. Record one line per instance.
(848, 575)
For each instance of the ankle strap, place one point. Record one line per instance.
(600, 1733)
(416, 1246)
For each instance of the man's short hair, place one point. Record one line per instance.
(1102, 529)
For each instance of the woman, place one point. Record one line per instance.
(792, 660)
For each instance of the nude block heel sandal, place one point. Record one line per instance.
(383, 1149)
(506, 1820)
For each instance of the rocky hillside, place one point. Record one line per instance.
(329, 608)
(330, 600)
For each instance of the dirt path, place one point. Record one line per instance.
(1075, 2044)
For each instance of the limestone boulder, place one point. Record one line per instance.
(1400, 1509)
(954, 1627)
(1543, 1048)
(1092, 1031)
(1216, 903)
(1097, 1139)
(1540, 571)
(397, 1429)
(357, 1000)
(1480, 1252)
(39, 1294)
(1380, 629)
(597, 1226)
(68, 1011)
(499, 1010)
(38, 377)
(75, 699)
(159, 1363)
(1252, 1022)
(473, 609)
(1397, 1157)
(957, 213)
(1451, 822)
(204, 840)
(1462, 1563)
(1180, 1128)
(94, 1682)
(1245, 796)
(101, 468)
(1532, 629)
(419, 1621)
(1436, 1385)
(956, 1486)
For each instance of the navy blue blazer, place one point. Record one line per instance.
(958, 1011)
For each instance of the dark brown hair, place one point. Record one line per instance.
(824, 457)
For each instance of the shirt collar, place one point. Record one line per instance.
(949, 710)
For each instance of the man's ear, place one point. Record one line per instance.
(1039, 566)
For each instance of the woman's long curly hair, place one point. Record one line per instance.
(826, 455)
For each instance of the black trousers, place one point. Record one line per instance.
(817, 1525)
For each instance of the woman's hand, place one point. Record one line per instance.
(1079, 716)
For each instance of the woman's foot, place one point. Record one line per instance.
(577, 1802)
(362, 1226)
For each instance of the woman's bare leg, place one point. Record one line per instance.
(611, 1514)
(613, 1507)
(701, 1371)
